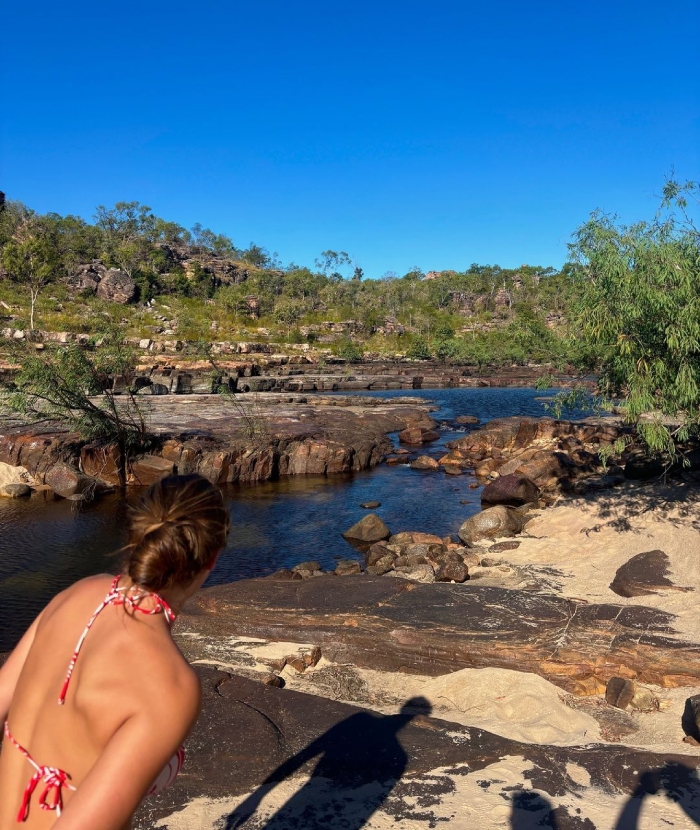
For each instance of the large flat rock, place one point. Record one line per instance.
(252, 739)
(432, 629)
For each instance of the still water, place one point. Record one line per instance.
(45, 544)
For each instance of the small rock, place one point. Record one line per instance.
(277, 664)
(15, 491)
(501, 547)
(473, 485)
(466, 419)
(371, 505)
(381, 566)
(619, 692)
(644, 700)
(297, 663)
(274, 680)
(452, 571)
(312, 658)
(417, 435)
(283, 573)
(452, 470)
(348, 567)
(310, 566)
(66, 481)
(470, 558)
(513, 490)
(416, 559)
(425, 462)
(369, 529)
(491, 523)
(419, 573)
(378, 551)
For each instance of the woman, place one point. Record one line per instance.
(97, 698)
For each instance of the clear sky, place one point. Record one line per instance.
(434, 133)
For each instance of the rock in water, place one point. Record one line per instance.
(417, 435)
(67, 481)
(424, 462)
(15, 491)
(491, 523)
(369, 529)
(370, 505)
(514, 490)
(620, 692)
(311, 566)
(643, 574)
(466, 419)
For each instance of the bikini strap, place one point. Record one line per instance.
(54, 779)
(117, 596)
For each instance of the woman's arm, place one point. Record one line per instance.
(10, 672)
(111, 792)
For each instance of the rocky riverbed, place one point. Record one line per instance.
(374, 700)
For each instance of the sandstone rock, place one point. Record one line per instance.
(414, 559)
(378, 551)
(371, 505)
(11, 474)
(619, 692)
(470, 558)
(513, 490)
(369, 529)
(424, 462)
(409, 537)
(312, 657)
(381, 566)
(491, 523)
(15, 491)
(466, 419)
(645, 573)
(417, 549)
(502, 547)
(117, 287)
(418, 573)
(310, 566)
(452, 470)
(283, 573)
(150, 468)
(348, 567)
(644, 700)
(452, 571)
(66, 481)
(417, 435)
(274, 680)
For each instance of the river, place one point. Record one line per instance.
(45, 543)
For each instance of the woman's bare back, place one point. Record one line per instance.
(129, 670)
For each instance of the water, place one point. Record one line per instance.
(46, 544)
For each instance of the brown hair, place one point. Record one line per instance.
(175, 531)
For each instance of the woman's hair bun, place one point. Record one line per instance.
(174, 531)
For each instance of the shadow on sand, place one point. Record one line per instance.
(361, 761)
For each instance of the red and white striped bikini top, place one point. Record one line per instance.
(117, 596)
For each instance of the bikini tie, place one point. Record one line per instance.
(51, 797)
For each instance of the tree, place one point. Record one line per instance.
(129, 230)
(332, 261)
(640, 308)
(31, 259)
(73, 385)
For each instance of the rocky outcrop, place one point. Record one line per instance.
(432, 629)
(117, 287)
(250, 733)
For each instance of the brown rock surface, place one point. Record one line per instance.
(490, 524)
(370, 528)
(117, 287)
(513, 490)
(388, 624)
(249, 732)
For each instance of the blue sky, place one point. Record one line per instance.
(407, 133)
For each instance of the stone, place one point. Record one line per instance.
(408, 537)
(424, 462)
(619, 692)
(417, 435)
(283, 573)
(15, 491)
(491, 523)
(502, 547)
(513, 490)
(452, 571)
(466, 419)
(117, 287)
(644, 700)
(418, 573)
(298, 664)
(381, 566)
(274, 680)
(101, 461)
(369, 529)
(348, 567)
(417, 549)
(452, 470)
(151, 468)
(643, 469)
(378, 551)
(371, 505)
(312, 657)
(310, 566)
(66, 481)
(643, 574)
(690, 720)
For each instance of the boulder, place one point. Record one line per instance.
(466, 419)
(452, 571)
(369, 529)
(378, 551)
(643, 469)
(417, 435)
(548, 470)
(514, 490)
(491, 523)
(619, 692)
(381, 566)
(312, 566)
(117, 287)
(66, 481)
(418, 573)
(424, 462)
(15, 491)
(151, 468)
(348, 567)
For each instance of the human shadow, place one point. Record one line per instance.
(679, 784)
(532, 812)
(361, 761)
